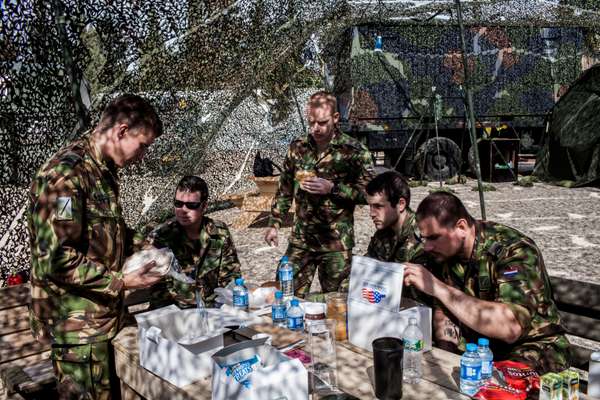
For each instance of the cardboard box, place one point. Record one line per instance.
(167, 345)
(278, 377)
(375, 305)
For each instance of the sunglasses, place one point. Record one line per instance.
(191, 205)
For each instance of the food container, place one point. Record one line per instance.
(313, 313)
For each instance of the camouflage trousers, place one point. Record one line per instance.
(333, 268)
(546, 356)
(85, 371)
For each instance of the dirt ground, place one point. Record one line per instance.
(565, 223)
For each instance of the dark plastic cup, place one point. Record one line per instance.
(387, 358)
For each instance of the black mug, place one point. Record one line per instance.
(387, 360)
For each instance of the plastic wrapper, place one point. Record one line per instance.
(518, 375)
(166, 263)
(492, 391)
(258, 297)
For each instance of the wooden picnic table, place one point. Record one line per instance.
(354, 366)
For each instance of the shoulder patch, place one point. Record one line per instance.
(495, 250)
(64, 209)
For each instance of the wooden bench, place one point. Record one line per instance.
(25, 368)
(20, 353)
(579, 307)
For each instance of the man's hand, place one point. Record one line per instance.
(141, 277)
(317, 185)
(271, 237)
(418, 276)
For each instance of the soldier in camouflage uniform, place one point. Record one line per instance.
(490, 281)
(203, 247)
(323, 231)
(388, 196)
(78, 245)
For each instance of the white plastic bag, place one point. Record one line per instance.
(166, 263)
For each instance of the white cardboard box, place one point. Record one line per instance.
(280, 377)
(159, 334)
(375, 305)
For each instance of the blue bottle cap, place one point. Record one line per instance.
(483, 342)
(239, 281)
(279, 294)
(284, 259)
(295, 302)
(471, 347)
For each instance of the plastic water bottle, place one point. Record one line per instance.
(240, 295)
(378, 43)
(413, 352)
(486, 355)
(470, 370)
(278, 312)
(286, 278)
(295, 316)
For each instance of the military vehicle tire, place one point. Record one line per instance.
(430, 166)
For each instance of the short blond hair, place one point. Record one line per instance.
(322, 98)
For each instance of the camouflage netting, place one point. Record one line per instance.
(571, 153)
(231, 77)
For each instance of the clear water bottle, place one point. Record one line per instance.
(286, 278)
(278, 312)
(486, 355)
(470, 370)
(412, 339)
(240, 295)
(295, 316)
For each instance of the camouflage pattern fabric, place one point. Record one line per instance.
(509, 75)
(211, 259)
(84, 371)
(334, 269)
(323, 222)
(387, 245)
(78, 244)
(508, 267)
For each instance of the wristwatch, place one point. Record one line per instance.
(335, 190)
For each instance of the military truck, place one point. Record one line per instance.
(404, 94)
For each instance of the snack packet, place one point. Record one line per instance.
(241, 371)
(518, 375)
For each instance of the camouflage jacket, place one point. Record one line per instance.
(211, 259)
(400, 247)
(323, 222)
(388, 245)
(508, 267)
(78, 239)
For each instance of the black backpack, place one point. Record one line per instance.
(263, 166)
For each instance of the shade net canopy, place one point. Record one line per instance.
(232, 77)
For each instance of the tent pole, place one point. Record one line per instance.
(470, 109)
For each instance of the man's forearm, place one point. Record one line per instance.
(490, 319)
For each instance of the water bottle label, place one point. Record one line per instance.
(295, 323)
(278, 313)
(240, 301)
(470, 373)
(413, 344)
(486, 368)
(286, 275)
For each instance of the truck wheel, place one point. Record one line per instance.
(433, 167)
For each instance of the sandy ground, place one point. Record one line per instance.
(565, 223)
